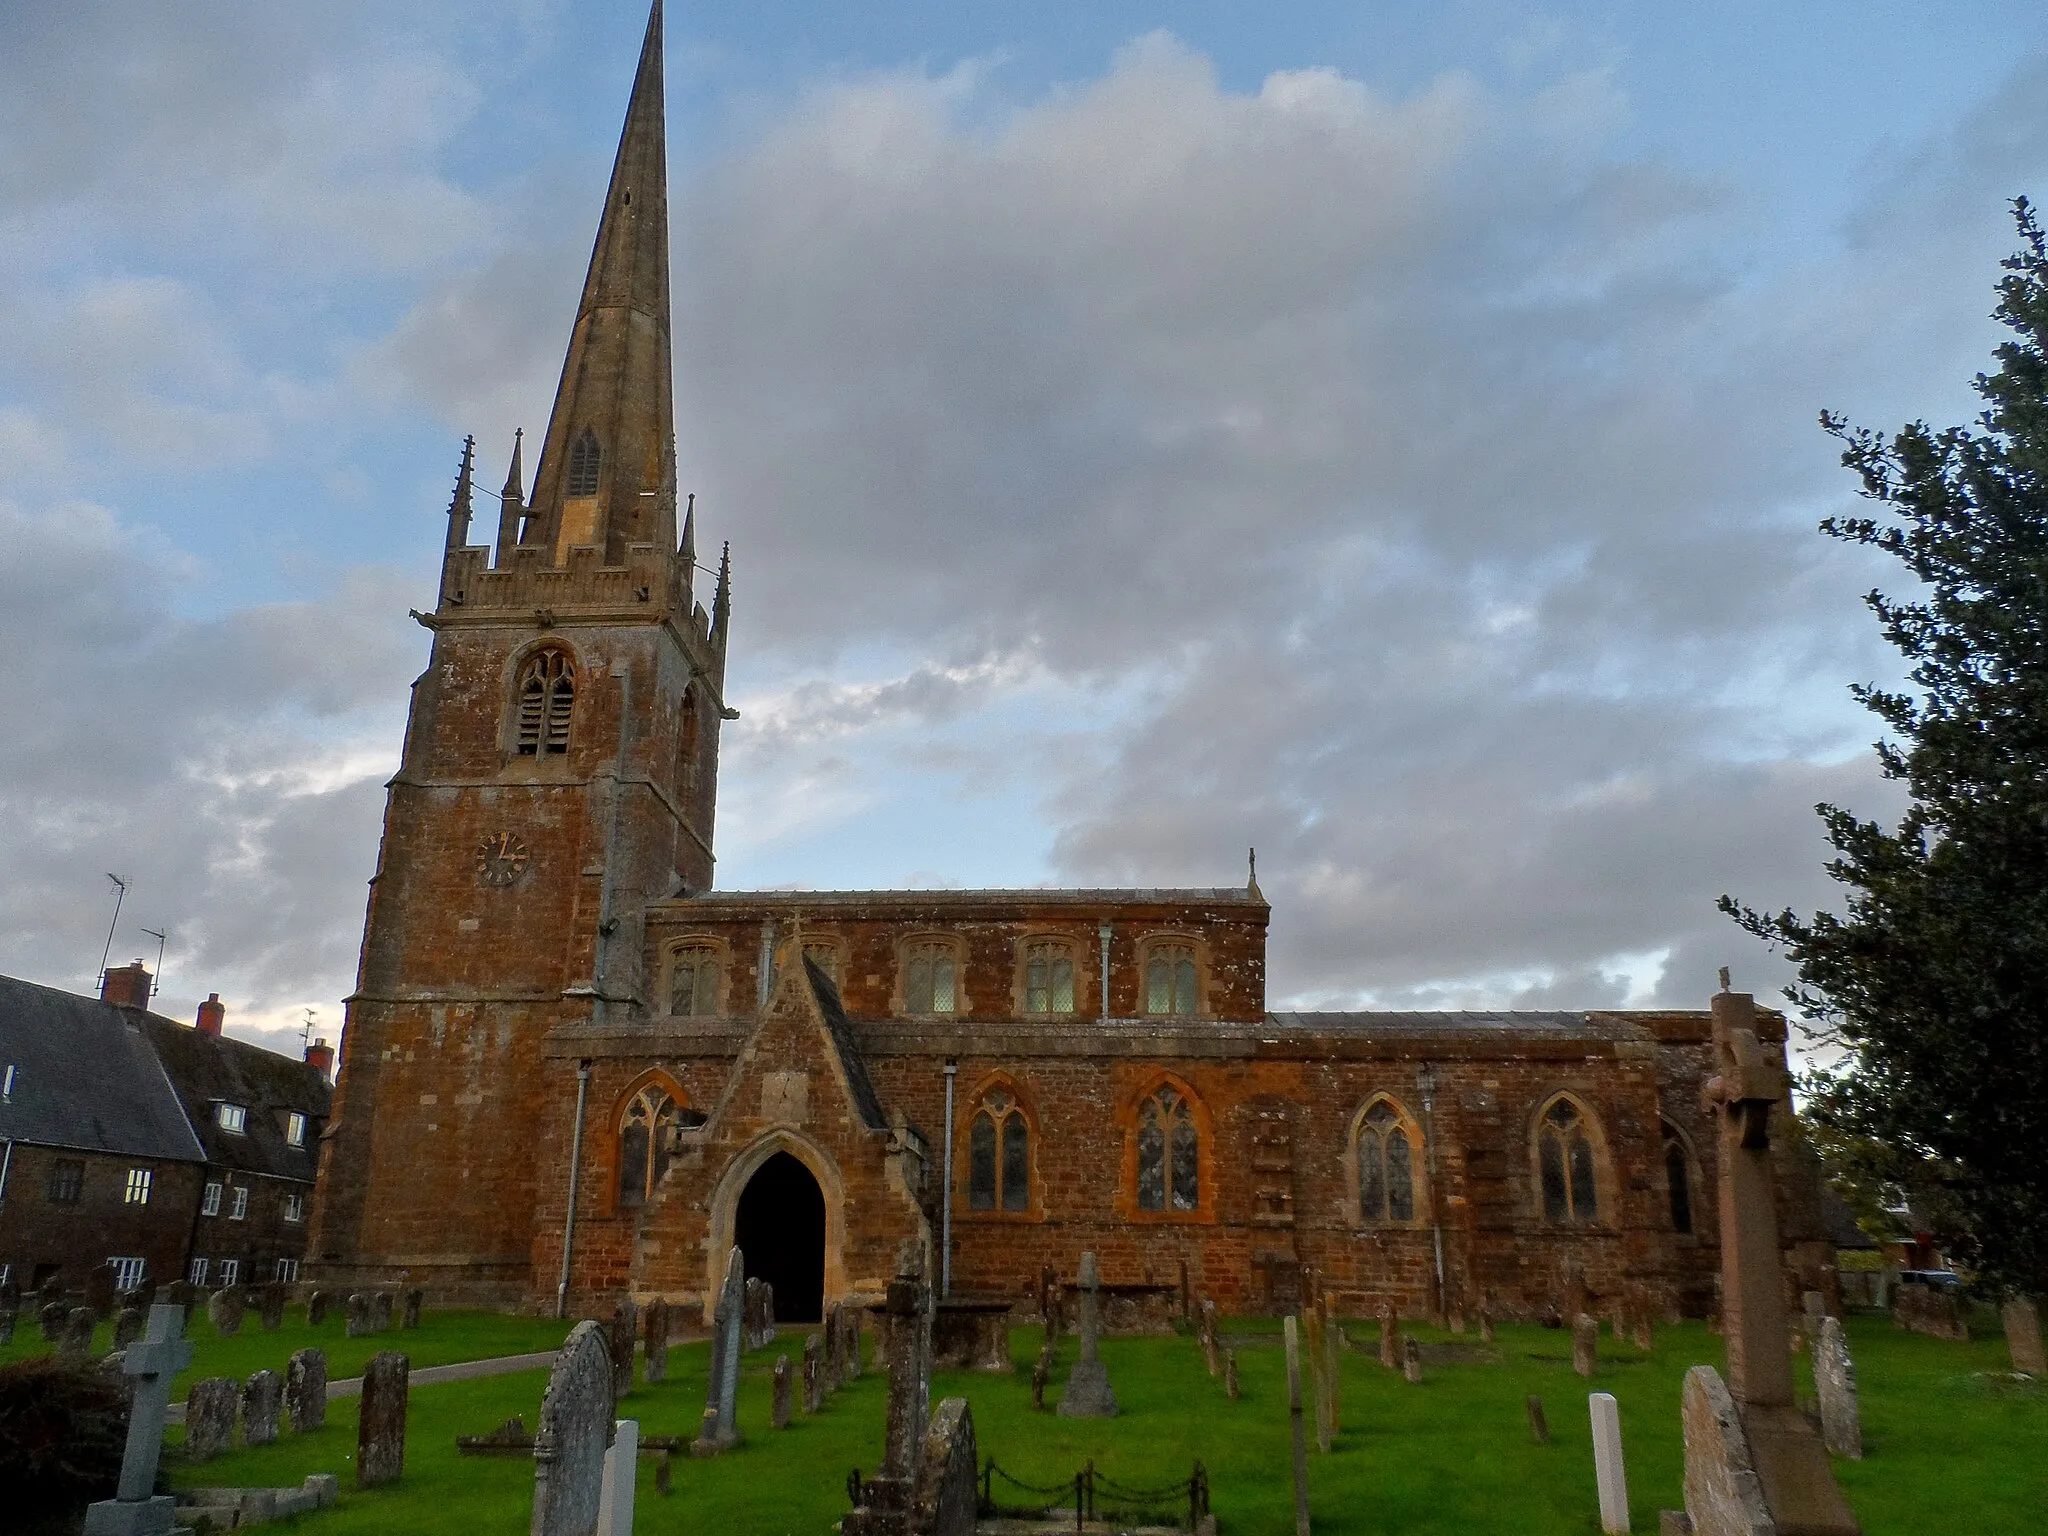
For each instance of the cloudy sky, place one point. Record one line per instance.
(1380, 434)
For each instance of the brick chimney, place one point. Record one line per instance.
(320, 1054)
(127, 986)
(211, 1014)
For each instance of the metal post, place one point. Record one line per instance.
(946, 1202)
(1102, 933)
(575, 1157)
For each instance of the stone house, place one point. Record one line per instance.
(574, 1069)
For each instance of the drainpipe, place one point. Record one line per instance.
(946, 1201)
(1102, 933)
(575, 1159)
(1427, 1077)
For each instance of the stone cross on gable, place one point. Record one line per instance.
(153, 1360)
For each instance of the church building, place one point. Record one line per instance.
(574, 1068)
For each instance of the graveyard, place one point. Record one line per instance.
(1945, 1425)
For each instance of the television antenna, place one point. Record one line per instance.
(306, 1029)
(156, 984)
(120, 894)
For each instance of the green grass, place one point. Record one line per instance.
(442, 1338)
(1954, 1445)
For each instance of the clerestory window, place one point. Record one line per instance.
(931, 978)
(1170, 980)
(546, 700)
(693, 982)
(584, 462)
(1048, 978)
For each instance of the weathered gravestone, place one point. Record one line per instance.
(128, 1323)
(1390, 1339)
(1610, 1475)
(906, 1346)
(1041, 1374)
(50, 1316)
(1230, 1374)
(1539, 1421)
(1752, 1461)
(316, 1309)
(1296, 1430)
(654, 1327)
(835, 1347)
(305, 1390)
(1486, 1333)
(615, 1496)
(1312, 1345)
(1088, 1394)
(270, 1301)
(2022, 1318)
(136, 1508)
(380, 1312)
(380, 1432)
(183, 1295)
(1211, 1351)
(814, 1376)
(782, 1376)
(619, 1337)
(1923, 1309)
(210, 1417)
(1411, 1361)
(720, 1431)
(575, 1428)
(1834, 1378)
(78, 1326)
(1585, 1345)
(224, 1310)
(852, 1358)
(8, 1320)
(100, 1290)
(260, 1400)
(947, 1496)
(409, 1307)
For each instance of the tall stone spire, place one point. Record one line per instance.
(601, 466)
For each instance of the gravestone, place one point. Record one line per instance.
(1813, 1307)
(1312, 1345)
(1296, 1429)
(409, 1309)
(1211, 1353)
(1923, 1309)
(1539, 1421)
(615, 1496)
(224, 1310)
(380, 1312)
(270, 1305)
(1333, 1363)
(851, 1362)
(305, 1390)
(1230, 1374)
(183, 1295)
(260, 1398)
(8, 1319)
(654, 1341)
(947, 1499)
(1645, 1337)
(1750, 1454)
(127, 1326)
(150, 1363)
(619, 1334)
(1411, 1360)
(1574, 1299)
(1041, 1374)
(814, 1376)
(783, 1375)
(78, 1327)
(1088, 1394)
(1390, 1339)
(1585, 1345)
(907, 1311)
(316, 1309)
(380, 1434)
(720, 1429)
(50, 1316)
(664, 1474)
(111, 1370)
(576, 1426)
(1609, 1474)
(100, 1290)
(358, 1322)
(835, 1346)
(1486, 1330)
(2022, 1318)
(210, 1417)
(1834, 1378)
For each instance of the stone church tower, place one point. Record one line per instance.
(559, 773)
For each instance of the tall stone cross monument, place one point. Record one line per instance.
(136, 1509)
(1753, 1464)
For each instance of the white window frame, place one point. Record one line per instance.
(197, 1272)
(287, 1271)
(230, 1272)
(128, 1273)
(239, 1210)
(294, 1206)
(209, 1198)
(295, 1129)
(137, 1190)
(232, 1118)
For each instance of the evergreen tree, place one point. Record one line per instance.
(1934, 982)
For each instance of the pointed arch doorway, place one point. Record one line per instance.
(779, 1226)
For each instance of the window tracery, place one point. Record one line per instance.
(1169, 1153)
(644, 1134)
(1565, 1166)
(931, 977)
(1386, 1164)
(1048, 977)
(546, 701)
(999, 1156)
(693, 979)
(585, 459)
(1170, 980)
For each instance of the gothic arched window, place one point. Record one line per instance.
(693, 982)
(1564, 1165)
(1048, 977)
(1170, 979)
(1169, 1153)
(999, 1156)
(1678, 1179)
(546, 699)
(644, 1132)
(584, 461)
(931, 976)
(1386, 1164)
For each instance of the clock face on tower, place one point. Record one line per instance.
(502, 858)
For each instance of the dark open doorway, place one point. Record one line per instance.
(780, 1227)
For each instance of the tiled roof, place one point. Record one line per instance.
(865, 1099)
(87, 1077)
(209, 1069)
(1378, 1024)
(1235, 895)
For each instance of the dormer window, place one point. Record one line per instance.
(295, 1129)
(584, 461)
(232, 1118)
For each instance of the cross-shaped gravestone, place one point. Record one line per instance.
(152, 1360)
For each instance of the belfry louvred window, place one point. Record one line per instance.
(584, 463)
(547, 698)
